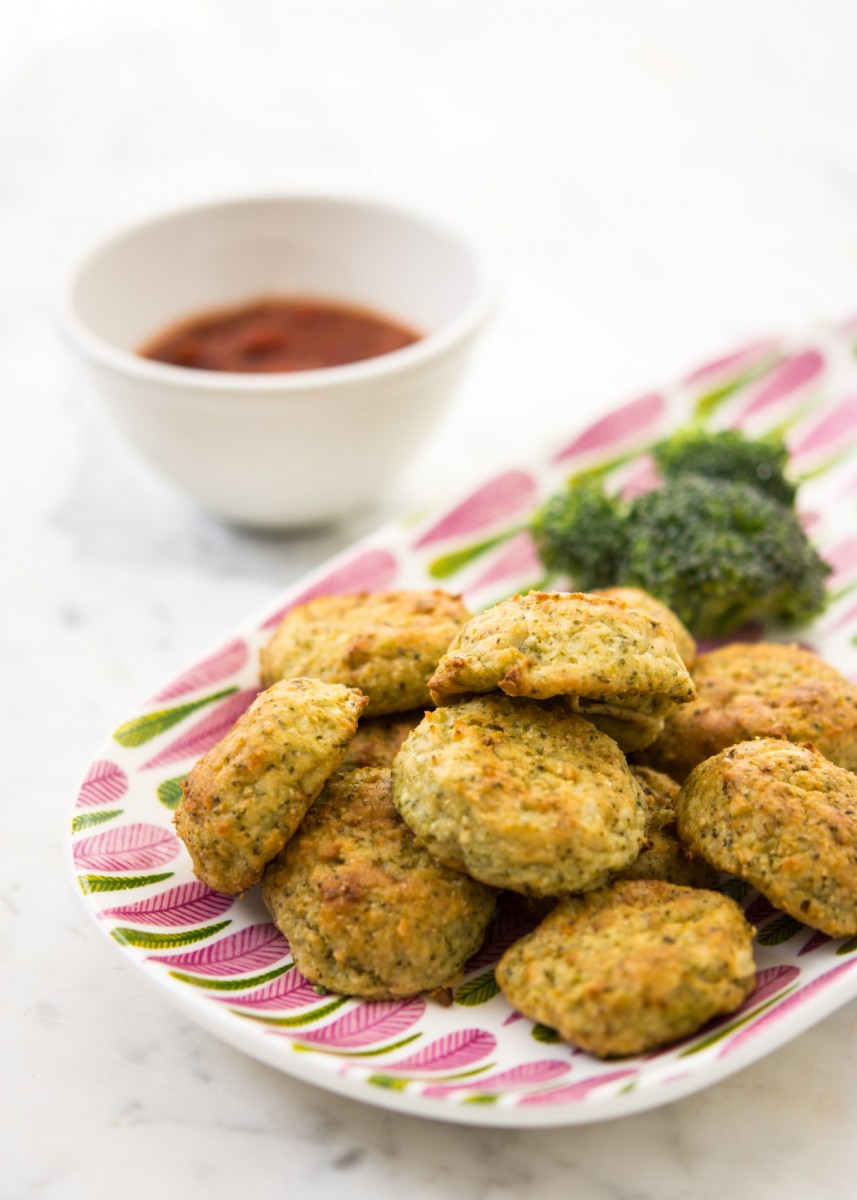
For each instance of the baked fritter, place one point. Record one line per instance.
(632, 966)
(245, 798)
(660, 791)
(664, 856)
(761, 690)
(612, 659)
(521, 795)
(378, 739)
(365, 908)
(637, 598)
(783, 818)
(386, 644)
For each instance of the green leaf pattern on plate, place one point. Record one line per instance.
(140, 730)
(150, 940)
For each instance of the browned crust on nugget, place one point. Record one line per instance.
(385, 643)
(366, 910)
(244, 799)
(783, 818)
(763, 690)
(631, 967)
(562, 643)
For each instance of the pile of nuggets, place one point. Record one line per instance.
(408, 765)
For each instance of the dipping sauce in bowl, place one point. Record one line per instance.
(264, 440)
(278, 334)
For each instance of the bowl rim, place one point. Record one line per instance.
(284, 383)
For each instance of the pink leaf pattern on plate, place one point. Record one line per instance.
(618, 426)
(368, 1023)
(517, 558)
(505, 929)
(577, 1091)
(795, 1000)
(285, 992)
(532, 1074)
(449, 1053)
(836, 424)
(104, 783)
(503, 497)
(187, 904)
(768, 982)
(643, 477)
(846, 618)
(815, 940)
(787, 377)
(217, 666)
(759, 909)
(371, 571)
(206, 733)
(137, 847)
(843, 558)
(738, 358)
(250, 949)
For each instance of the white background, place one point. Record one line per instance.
(655, 183)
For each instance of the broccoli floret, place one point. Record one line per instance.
(581, 533)
(729, 455)
(718, 553)
(722, 553)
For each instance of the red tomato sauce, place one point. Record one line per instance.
(278, 335)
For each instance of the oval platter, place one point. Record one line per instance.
(226, 966)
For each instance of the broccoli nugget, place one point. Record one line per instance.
(521, 795)
(764, 690)
(386, 644)
(378, 739)
(632, 966)
(366, 910)
(614, 662)
(664, 855)
(245, 798)
(785, 819)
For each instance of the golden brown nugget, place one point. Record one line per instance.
(785, 819)
(245, 798)
(632, 966)
(366, 910)
(664, 856)
(612, 659)
(562, 644)
(386, 644)
(637, 598)
(762, 690)
(379, 739)
(521, 795)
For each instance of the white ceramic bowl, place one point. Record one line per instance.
(287, 449)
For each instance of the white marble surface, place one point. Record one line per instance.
(655, 182)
